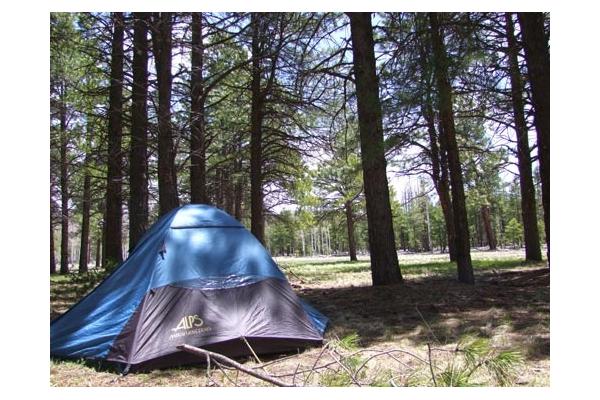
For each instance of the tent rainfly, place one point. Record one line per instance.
(197, 277)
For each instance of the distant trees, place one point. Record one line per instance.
(293, 123)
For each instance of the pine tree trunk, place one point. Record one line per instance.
(84, 250)
(99, 250)
(350, 227)
(528, 203)
(537, 56)
(446, 197)
(239, 189)
(440, 177)
(167, 179)
(138, 153)
(113, 227)
(257, 223)
(428, 227)
(197, 143)
(52, 250)
(463, 254)
(228, 194)
(382, 246)
(487, 225)
(64, 191)
(439, 163)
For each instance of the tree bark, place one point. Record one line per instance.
(99, 250)
(429, 245)
(350, 227)
(537, 57)
(64, 191)
(487, 226)
(113, 243)
(167, 179)
(257, 223)
(439, 166)
(238, 189)
(197, 143)
(528, 204)
(52, 255)
(446, 199)
(382, 246)
(138, 152)
(84, 250)
(463, 255)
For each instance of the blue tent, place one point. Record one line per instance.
(196, 277)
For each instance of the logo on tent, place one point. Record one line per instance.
(189, 322)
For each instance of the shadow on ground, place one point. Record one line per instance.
(503, 305)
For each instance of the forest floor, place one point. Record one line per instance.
(397, 335)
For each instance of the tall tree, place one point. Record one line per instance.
(113, 216)
(52, 251)
(64, 189)
(138, 157)
(537, 57)
(446, 115)
(84, 250)
(197, 143)
(162, 45)
(257, 224)
(382, 246)
(528, 203)
(437, 153)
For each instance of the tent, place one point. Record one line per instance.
(196, 277)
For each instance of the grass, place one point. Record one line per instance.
(341, 271)
(508, 308)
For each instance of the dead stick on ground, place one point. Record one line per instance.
(431, 364)
(219, 357)
(312, 369)
(427, 325)
(221, 367)
(345, 368)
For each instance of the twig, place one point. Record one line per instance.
(383, 353)
(276, 361)
(315, 364)
(295, 373)
(219, 357)
(208, 367)
(380, 352)
(431, 364)
(220, 366)
(428, 327)
(252, 351)
(350, 374)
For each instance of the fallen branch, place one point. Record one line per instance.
(350, 374)
(221, 358)
(431, 365)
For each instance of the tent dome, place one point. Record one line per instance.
(196, 277)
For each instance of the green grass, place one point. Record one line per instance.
(320, 271)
